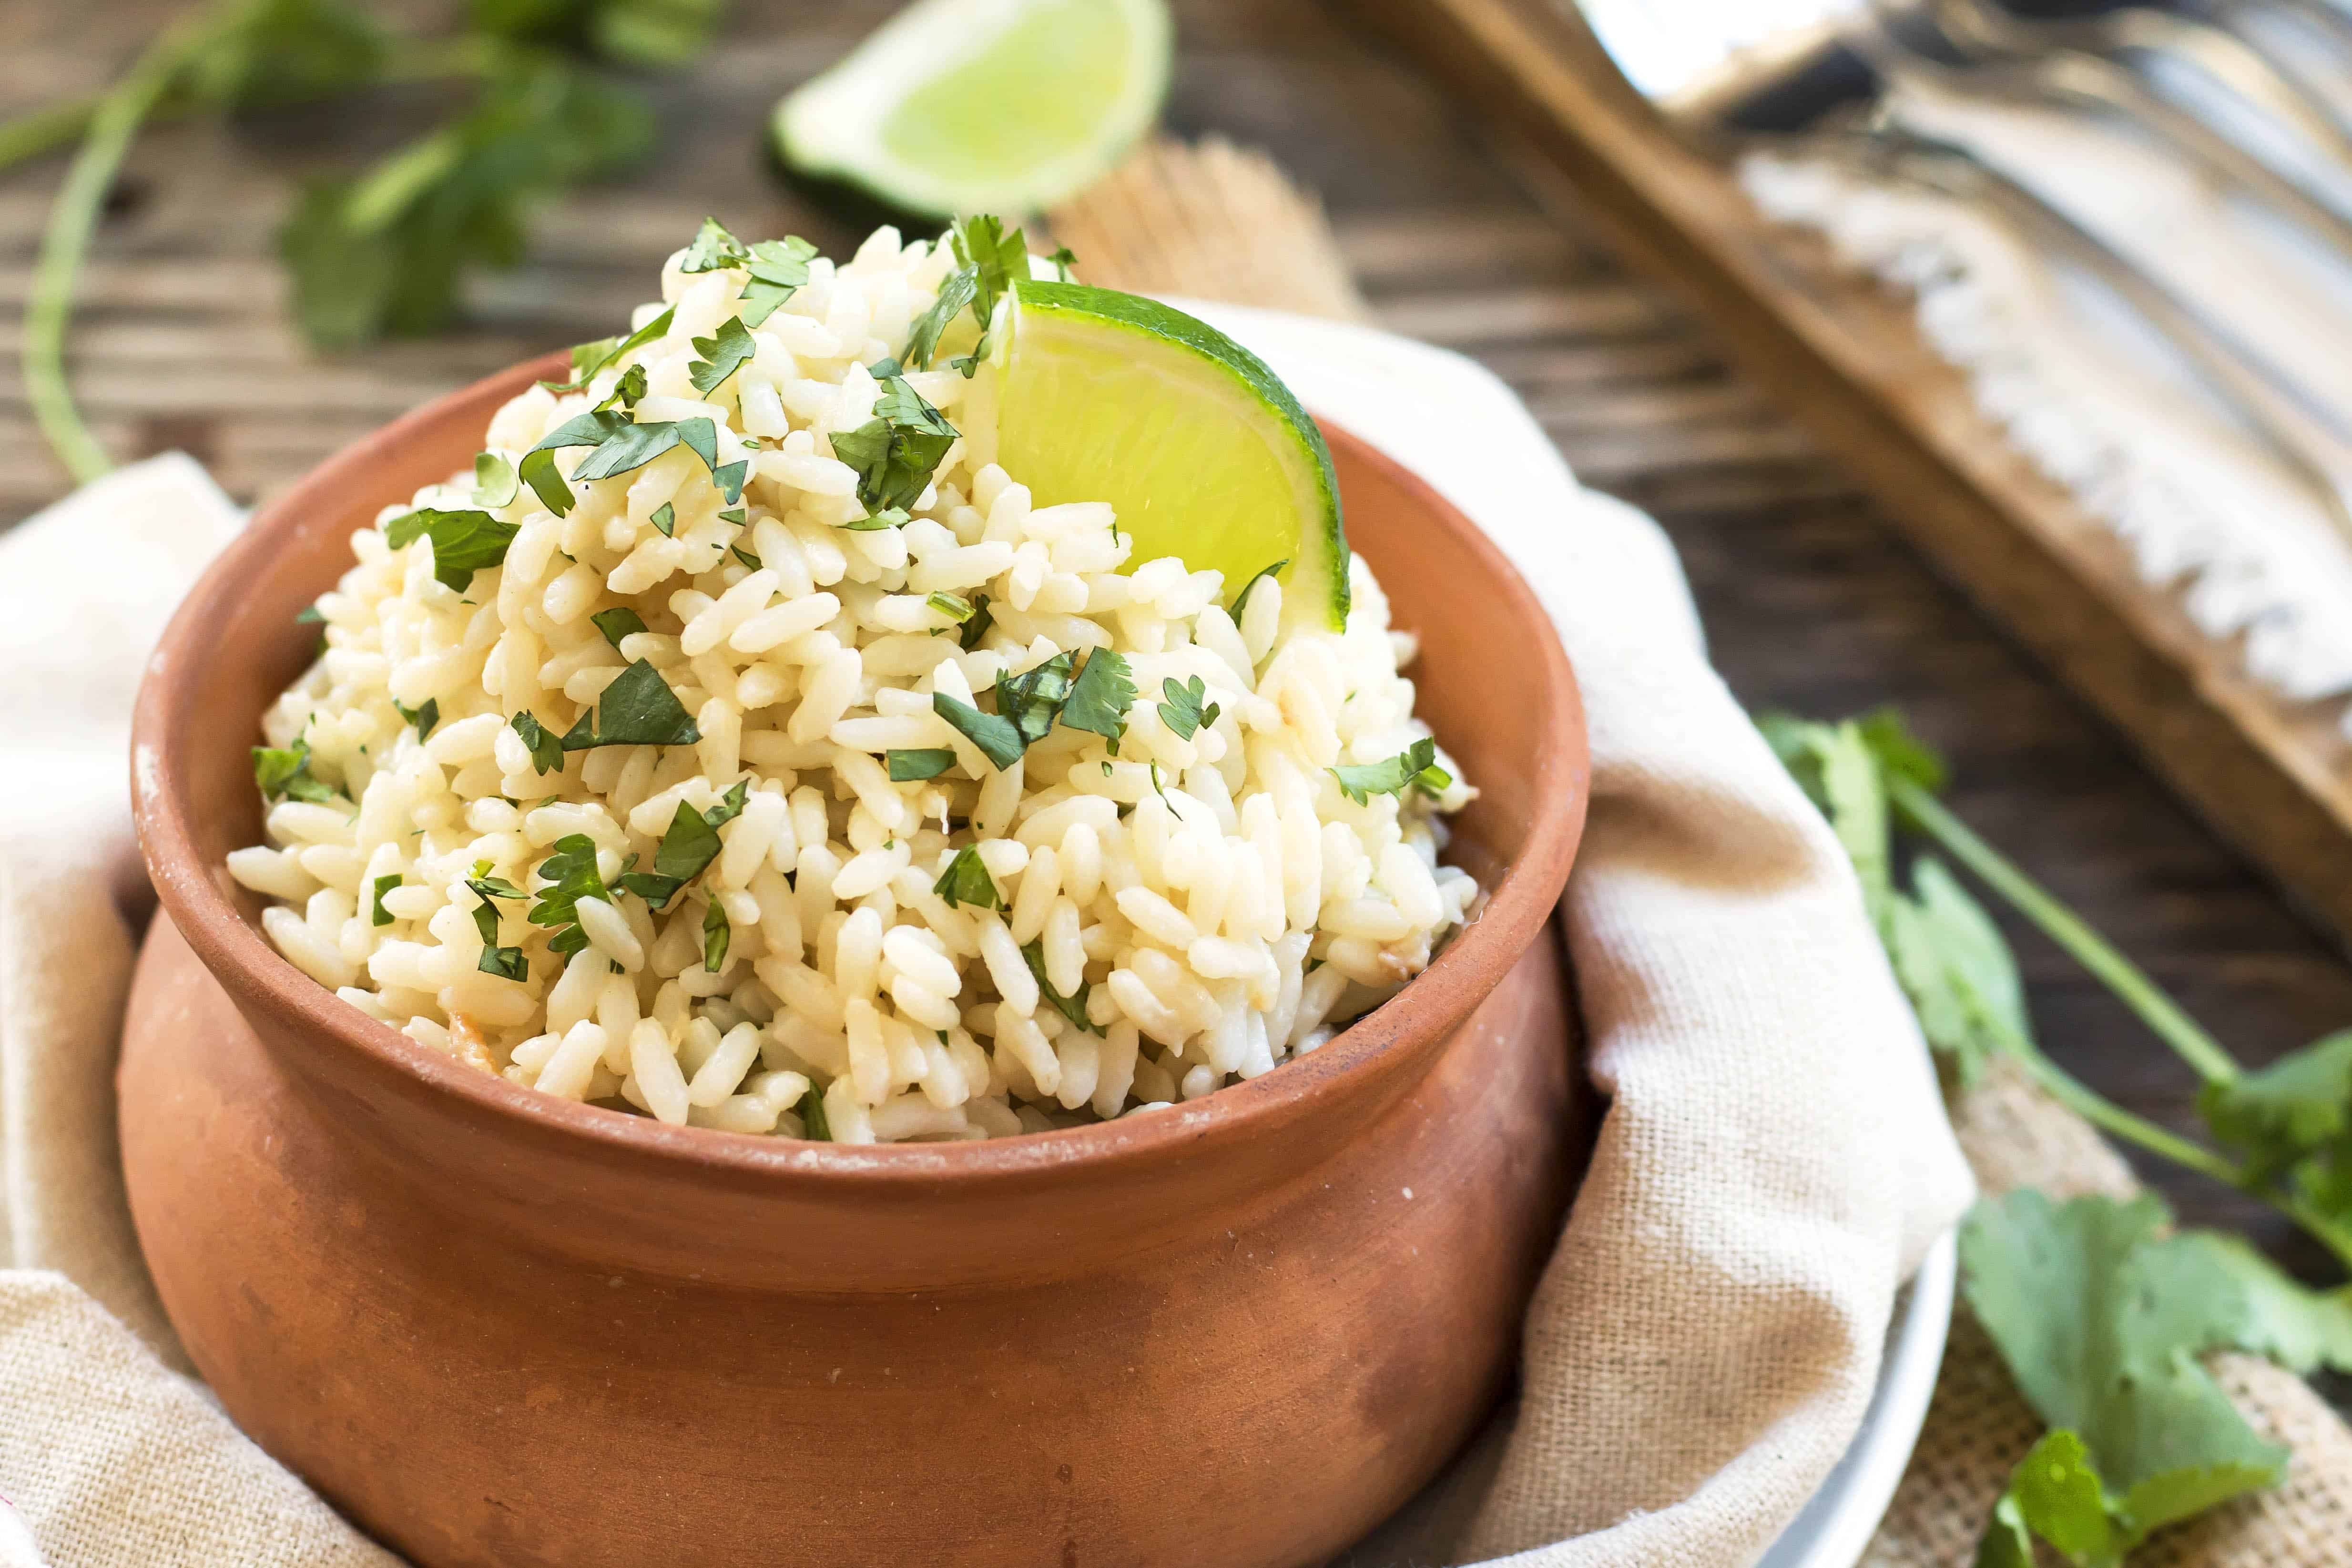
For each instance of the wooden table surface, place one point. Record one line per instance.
(182, 342)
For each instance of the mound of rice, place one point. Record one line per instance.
(747, 921)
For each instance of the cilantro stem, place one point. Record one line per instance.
(29, 135)
(73, 219)
(2061, 925)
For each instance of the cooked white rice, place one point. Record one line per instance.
(1209, 906)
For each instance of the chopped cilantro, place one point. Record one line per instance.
(1415, 767)
(567, 876)
(976, 627)
(1031, 699)
(1074, 1007)
(722, 355)
(665, 520)
(896, 451)
(383, 885)
(424, 715)
(966, 882)
(955, 296)
(620, 444)
(1063, 262)
(926, 763)
(638, 709)
(1184, 712)
(546, 750)
(691, 844)
(779, 267)
(814, 1127)
(463, 543)
(716, 936)
(618, 622)
(954, 606)
(745, 556)
(713, 249)
(1262, 572)
(1099, 698)
(308, 616)
(997, 738)
(284, 773)
(590, 360)
(506, 963)
(626, 391)
(889, 517)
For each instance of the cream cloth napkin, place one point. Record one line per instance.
(1773, 1163)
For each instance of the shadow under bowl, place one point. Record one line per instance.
(499, 1327)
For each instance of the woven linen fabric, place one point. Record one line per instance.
(1773, 1164)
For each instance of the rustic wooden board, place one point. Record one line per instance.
(1843, 355)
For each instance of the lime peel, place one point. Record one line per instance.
(1198, 446)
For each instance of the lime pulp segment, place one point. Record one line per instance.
(964, 106)
(1198, 446)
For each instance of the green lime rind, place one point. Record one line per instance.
(962, 106)
(1303, 526)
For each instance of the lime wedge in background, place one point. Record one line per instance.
(1203, 453)
(964, 106)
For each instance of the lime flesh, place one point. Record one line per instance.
(1200, 451)
(964, 106)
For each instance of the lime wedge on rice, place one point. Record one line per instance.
(1198, 446)
(964, 106)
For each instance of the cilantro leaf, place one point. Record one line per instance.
(1956, 969)
(816, 1128)
(690, 844)
(722, 355)
(284, 773)
(957, 291)
(620, 444)
(1064, 261)
(617, 623)
(2276, 1316)
(566, 877)
(378, 914)
(1100, 696)
(463, 543)
(2102, 1329)
(889, 517)
(425, 716)
(966, 882)
(627, 390)
(717, 934)
(1415, 767)
(998, 739)
(1184, 713)
(494, 483)
(926, 763)
(2280, 1115)
(507, 963)
(977, 626)
(665, 520)
(590, 360)
(2055, 1493)
(637, 709)
(997, 260)
(778, 269)
(897, 451)
(546, 750)
(1074, 1007)
(713, 249)
(1241, 600)
(1032, 699)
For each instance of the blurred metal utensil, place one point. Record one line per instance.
(2238, 61)
(1815, 72)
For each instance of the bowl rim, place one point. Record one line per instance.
(1371, 1054)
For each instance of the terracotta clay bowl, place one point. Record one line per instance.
(496, 1328)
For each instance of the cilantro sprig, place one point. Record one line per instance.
(2098, 1307)
(688, 847)
(1415, 767)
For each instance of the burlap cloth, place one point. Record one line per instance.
(1772, 1163)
